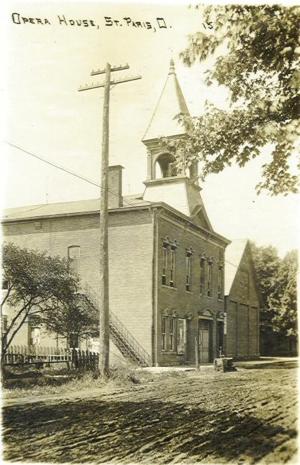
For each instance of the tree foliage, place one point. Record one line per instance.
(75, 317)
(283, 300)
(256, 50)
(276, 279)
(42, 288)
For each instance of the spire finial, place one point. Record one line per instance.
(172, 67)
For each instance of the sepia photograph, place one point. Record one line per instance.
(150, 232)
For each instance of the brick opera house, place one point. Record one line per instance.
(173, 279)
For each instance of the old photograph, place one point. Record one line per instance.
(150, 232)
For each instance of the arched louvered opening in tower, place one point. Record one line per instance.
(165, 166)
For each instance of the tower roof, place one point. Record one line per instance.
(170, 103)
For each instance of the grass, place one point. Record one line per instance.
(36, 383)
(62, 381)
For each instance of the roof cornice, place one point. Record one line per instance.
(175, 213)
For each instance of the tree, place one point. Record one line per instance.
(283, 300)
(266, 263)
(75, 319)
(276, 280)
(256, 51)
(41, 287)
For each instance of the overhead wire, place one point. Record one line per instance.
(72, 173)
(66, 170)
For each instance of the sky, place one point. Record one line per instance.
(46, 115)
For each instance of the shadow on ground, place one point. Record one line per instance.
(150, 431)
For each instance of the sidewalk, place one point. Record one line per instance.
(170, 369)
(265, 361)
(210, 366)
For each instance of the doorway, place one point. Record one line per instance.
(204, 341)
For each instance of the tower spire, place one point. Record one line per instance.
(171, 103)
(168, 181)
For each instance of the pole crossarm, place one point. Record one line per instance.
(112, 82)
(114, 68)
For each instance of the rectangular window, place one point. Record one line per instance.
(35, 336)
(202, 275)
(220, 282)
(37, 225)
(163, 333)
(4, 327)
(168, 262)
(74, 258)
(209, 279)
(4, 323)
(188, 272)
(172, 326)
(165, 266)
(74, 341)
(181, 335)
(172, 267)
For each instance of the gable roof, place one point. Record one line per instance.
(170, 103)
(233, 255)
(90, 206)
(200, 217)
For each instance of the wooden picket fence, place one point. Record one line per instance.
(84, 359)
(20, 355)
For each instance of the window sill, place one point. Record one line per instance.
(188, 292)
(169, 287)
(169, 352)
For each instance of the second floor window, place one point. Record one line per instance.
(202, 275)
(168, 262)
(74, 258)
(220, 282)
(172, 266)
(188, 269)
(164, 265)
(209, 278)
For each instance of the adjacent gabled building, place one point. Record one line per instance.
(166, 263)
(242, 302)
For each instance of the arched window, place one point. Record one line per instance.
(202, 274)
(165, 166)
(74, 257)
(188, 269)
(209, 277)
(168, 262)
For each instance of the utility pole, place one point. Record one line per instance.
(103, 242)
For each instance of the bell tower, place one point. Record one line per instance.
(178, 187)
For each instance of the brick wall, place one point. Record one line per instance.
(130, 252)
(179, 301)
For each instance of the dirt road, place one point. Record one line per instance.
(246, 416)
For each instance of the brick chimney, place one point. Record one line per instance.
(115, 198)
